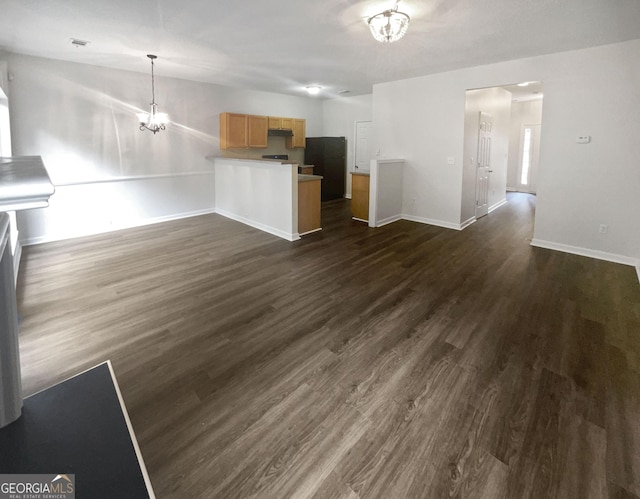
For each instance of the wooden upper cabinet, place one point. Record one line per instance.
(242, 131)
(299, 134)
(233, 131)
(276, 123)
(257, 131)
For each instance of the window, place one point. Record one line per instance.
(526, 157)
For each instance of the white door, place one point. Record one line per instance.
(528, 158)
(483, 165)
(363, 145)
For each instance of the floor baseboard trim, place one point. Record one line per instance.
(388, 220)
(577, 250)
(500, 203)
(257, 225)
(430, 221)
(468, 222)
(148, 221)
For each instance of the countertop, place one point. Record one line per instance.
(302, 177)
(253, 160)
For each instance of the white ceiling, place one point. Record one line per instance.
(284, 45)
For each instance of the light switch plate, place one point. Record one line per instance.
(583, 139)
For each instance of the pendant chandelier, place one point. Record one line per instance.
(153, 121)
(389, 26)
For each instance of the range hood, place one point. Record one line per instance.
(280, 132)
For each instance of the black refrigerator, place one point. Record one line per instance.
(328, 156)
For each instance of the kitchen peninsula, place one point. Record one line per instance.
(265, 194)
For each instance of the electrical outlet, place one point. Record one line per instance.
(603, 229)
(451, 160)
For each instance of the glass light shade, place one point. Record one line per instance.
(313, 90)
(143, 118)
(389, 26)
(160, 118)
(153, 120)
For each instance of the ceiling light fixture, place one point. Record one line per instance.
(524, 84)
(313, 89)
(389, 26)
(153, 121)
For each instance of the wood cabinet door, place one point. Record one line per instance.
(257, 131)
(360, 197)
(275, 123)
(233, 131)
(299, 133)
(287, 123)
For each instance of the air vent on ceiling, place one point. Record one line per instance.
(79, 43)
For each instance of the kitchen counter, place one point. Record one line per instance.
(360, 196)
(309, 189)
(239, 161)
(303, 177)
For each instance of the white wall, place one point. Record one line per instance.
(385, 191)
(496, 102)
(261, 194)
(339, 118)
(108, 174)
(522, 113)
(587, 92)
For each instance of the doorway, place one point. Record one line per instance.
(499, 122)
(484, 164)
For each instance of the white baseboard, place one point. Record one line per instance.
(257, 225)
(511, 189)
(310, 231)
(468, 222)
(599, 255)
(140, 223)
(500, 203)
(430, 221)
(388, 220)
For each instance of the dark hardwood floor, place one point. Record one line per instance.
(404, 361)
